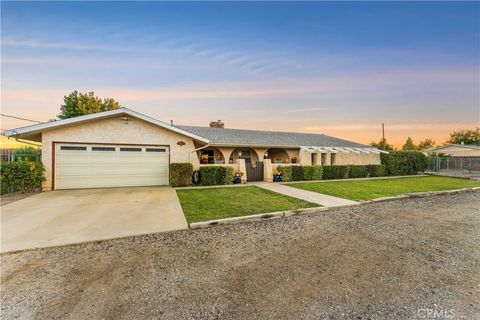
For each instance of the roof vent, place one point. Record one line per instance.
(217, 124)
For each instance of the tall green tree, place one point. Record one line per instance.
(425, 144)
(465, 136)
(78, 104)
(409, 145)
(382, 145)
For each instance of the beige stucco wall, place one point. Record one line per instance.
(343, 158)
(113, 130)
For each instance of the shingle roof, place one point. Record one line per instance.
(220, 136)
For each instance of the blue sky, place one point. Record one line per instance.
(336, 68)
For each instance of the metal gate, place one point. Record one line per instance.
(254, 170)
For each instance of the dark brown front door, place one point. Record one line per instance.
(254, 170)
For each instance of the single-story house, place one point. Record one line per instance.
(455, 150)
(125, 148)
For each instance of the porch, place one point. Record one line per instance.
(249, 161)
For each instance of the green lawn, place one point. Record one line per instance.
(218, 203)
(371, 189)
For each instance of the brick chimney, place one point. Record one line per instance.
(217, 124)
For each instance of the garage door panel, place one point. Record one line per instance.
(93, 166)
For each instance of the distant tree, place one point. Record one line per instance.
(465, 136)
(425, 144)
(78, 104)
(409, 145)
(382, 145)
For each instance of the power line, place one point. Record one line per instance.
(19, 118)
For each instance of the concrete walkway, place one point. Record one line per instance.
(72, 216)
(314, 197)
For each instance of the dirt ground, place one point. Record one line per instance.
(401, 259)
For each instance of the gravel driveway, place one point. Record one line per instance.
(389, 260)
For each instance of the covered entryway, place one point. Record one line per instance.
(106, 165)
(254, 170)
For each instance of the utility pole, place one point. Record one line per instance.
(383, 135)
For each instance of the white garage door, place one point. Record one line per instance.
(97, 166)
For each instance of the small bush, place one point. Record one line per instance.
(398, 163)
(181, 174)
(23, 174)
(312, 172)
(357, 171)
(335, 172)
(28, 153)
(216, 175)
(286, 173)
(375, 170)
(297, 173)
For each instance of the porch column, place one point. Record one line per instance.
(260, 152)
(226, 153)
(328, 157)
(243, 169)
(305, 158)
(267, 170)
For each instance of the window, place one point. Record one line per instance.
(73, 148)
(207, 156)
(314, 158)
(131, 149)
(154, 150)
(103, 148)
(333, 157)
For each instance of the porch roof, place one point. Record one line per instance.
(241, 137)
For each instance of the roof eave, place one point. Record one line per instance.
(38, 128)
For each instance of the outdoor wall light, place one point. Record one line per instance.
(125, 119)
(239, 153)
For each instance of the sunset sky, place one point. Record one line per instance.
(335, 68)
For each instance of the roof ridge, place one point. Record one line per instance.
(274, 131)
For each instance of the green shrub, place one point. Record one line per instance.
(297, 173)
(225, 175)
(28, 153)
(286, 173)
(375, 170)
(398, 163)
(357, 171)
(312, 172)
(216, 175)
(23, 174)
(181, 174)
(335, 172)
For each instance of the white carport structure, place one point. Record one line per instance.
(327, 155)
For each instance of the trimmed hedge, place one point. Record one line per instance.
(216, 175)
(286, 173)
(297, 173)
(399, 163)
(181, 174)
(375, 170)
(312, 172)
(357, 171)
(335, 172)
(24, 175)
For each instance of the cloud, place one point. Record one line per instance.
(370, 85)
(182, 49)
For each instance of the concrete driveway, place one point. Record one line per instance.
(74, 216)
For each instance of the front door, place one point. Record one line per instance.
(254, 170)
